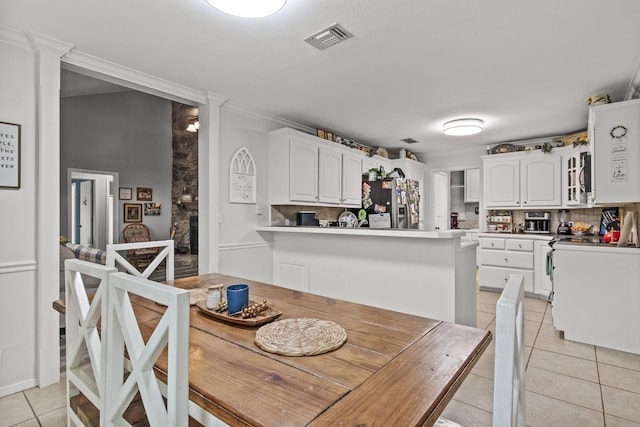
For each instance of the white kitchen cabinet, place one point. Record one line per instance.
(306, 170)
(339, 179)
(501, 183)
(472, 185)
(540, 180)
(522, 180)
(303, 172)
(574, 190)
(596, 296)
(614, 133)
(501, 257)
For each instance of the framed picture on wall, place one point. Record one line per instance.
(125, 193)
(133, 212)
(10, 159)
(145, 194)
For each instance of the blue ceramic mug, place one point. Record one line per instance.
(237, 297)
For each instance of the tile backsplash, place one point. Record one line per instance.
(591, 216)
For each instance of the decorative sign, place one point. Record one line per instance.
(619, 154)
(242, 177)
(9, 155)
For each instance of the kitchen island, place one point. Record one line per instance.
(422, 272)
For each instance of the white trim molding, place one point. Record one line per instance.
(244, 246)
(17, 266)
(92, 66)
(48, 51)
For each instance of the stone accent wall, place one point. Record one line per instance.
(184, 174)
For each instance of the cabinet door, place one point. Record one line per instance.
(502, 183)
(330, 177)
(303, 172)
(351, 180)
(614, 130)
(541, 181)
(472, 185)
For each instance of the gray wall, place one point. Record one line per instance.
(125, 132)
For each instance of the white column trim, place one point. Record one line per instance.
(48, 52)
(209, 184)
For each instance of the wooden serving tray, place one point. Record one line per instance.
(269, 315)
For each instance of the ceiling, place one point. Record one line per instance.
(525, 68)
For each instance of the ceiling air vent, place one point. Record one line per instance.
(328, 37)
(409, 140)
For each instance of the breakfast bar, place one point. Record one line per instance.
(427, 273)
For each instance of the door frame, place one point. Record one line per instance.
(103, 203)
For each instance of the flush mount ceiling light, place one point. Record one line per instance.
(460, 127)
(248, 8)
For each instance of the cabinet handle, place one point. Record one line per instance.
(520, 246)
(506, 261)
(493, 244)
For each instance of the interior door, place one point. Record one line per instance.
(85, 209)
(441, 200)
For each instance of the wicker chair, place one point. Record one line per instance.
(139, 258)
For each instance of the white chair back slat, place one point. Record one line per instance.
(508, 395)
(166, 251)
(81, 324)
(123, 332)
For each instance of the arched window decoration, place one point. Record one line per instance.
(242, 177)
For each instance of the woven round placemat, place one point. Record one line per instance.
(300, 337)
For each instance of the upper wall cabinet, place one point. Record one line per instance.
(472, 185)
(614, 133)
(306, 170)
(522, 180)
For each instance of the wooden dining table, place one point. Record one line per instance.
(393, 369)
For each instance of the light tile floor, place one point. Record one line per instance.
(567, 383)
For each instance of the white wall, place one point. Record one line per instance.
(18, 345)
(243, 251)
(126, 132)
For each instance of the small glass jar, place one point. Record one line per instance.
(214, 296)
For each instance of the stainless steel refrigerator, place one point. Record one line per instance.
(391, 203)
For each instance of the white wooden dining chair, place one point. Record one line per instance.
(508, 384)
(165, 248)
(82, 337)
(122, 333)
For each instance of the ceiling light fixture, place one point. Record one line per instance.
(460, 127)
(248, 8)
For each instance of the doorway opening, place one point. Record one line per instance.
(92, 217)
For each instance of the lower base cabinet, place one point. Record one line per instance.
(501, 256)
(496, 278)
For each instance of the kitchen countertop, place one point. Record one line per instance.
(533, 236)
(378, 232)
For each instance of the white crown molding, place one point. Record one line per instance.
(216, 99)
(92, 66)
(633, 92)
(14, 37)
(260, 115)
(47, 44)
